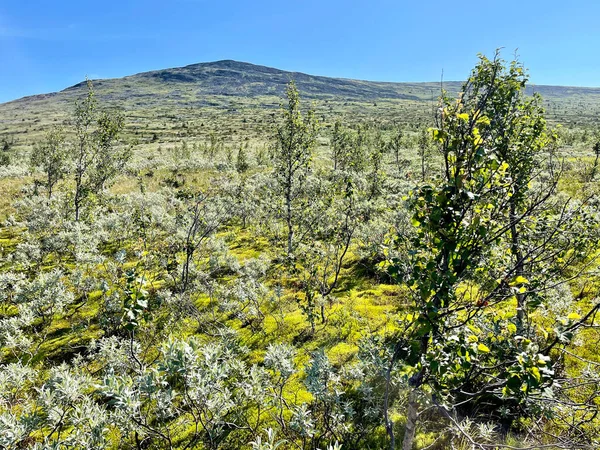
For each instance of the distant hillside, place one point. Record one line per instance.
(209, 94)
(243, 79)
(233, 78)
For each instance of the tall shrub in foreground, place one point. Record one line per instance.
(490, 248)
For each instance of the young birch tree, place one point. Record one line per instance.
(97, 158)
(489, 248)
(52, 156)
(296, 138)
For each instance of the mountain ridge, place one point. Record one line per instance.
(238, 78)
(231, 95)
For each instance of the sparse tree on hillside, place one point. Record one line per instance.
(295, 140)
(96, 155)
(5, 147)
(85, 112)
(241, 163)
(594, 171)
(203, 218)
(322, 260)
(339, 143)
(424, 148)
(52, 156)
(110, 158)
(395, 145)
(376, 173)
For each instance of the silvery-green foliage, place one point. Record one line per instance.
(8, 282)
(262, 215)
(200, 385)
(254, 388)
(28, 255)
(346, 404)
(380, 216)
(198, 219)
(12, 336)
(271, 442)
(49, 231)
(13, 171)
(280, 358)
(373, 358)
(331, 411)
(244, 296)
(42, 297)
(302, 422)
(17, 407)
(255, 268)
(121, 395)
(15, 381)
(43, 219)
(321, 379)
(14, 428)
(560, 300)
(147, 216)
(114, 354)
(51, 156)
(39, 214)
(45, 296)
(90, 426)
(368, 373)
(487, 432)
(83, 283)
(63, 409)
(79, 240)
(370, 237)
(111, 312)
(206, 373)
(334, 446)
(61, 392)
(220, 259)
(247, 201)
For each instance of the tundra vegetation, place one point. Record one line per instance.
(355, 283)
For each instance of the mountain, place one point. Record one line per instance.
(234, 78)
(200, 92)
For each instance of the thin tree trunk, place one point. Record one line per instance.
(77, 201)
(78, 186)
(415, 382)
(411, 420)
(389, 425)
(595, 166)
(519, 270)
(290, 227)
(50, 185)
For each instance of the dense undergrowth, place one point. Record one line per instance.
(301, 295)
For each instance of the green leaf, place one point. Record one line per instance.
(536, 373)
(483, 348)
(519, 280)
(483, 120)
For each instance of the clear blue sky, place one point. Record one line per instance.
(48, 45)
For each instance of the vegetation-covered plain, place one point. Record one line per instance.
(380, 268)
